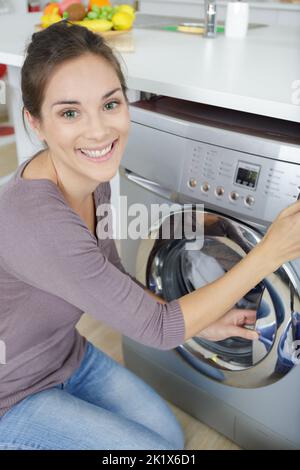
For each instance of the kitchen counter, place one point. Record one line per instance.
(255, 74)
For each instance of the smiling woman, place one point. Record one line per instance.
(57, 390)
(54, 265)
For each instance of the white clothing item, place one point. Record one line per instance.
(202, 269)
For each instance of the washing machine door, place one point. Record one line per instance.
(172, 266)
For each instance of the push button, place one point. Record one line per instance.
(234, 196)
(205, 187)
(249, 201)
(219, 191)
(192, 183)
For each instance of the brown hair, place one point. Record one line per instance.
(49, 48)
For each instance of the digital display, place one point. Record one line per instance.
(247, 175)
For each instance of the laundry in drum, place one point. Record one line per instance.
(203, 266)
(288, 350)
(202, 269)
(266, 335)
(266, 326)
(289, 344)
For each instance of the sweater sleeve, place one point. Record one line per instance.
(50, 248)
(115, 259)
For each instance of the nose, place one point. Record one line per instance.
(97, 128)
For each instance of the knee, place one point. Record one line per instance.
(170, 429)
(171, 432)
(177, 437)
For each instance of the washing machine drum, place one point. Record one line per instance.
(190, 248)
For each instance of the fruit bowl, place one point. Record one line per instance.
(100, 17)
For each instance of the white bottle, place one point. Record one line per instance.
(237, 16)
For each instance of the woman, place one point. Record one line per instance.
(57, 390)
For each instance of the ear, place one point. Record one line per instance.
(34, 124)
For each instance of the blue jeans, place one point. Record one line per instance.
(101, 406)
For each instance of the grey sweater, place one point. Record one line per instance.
(52, 270)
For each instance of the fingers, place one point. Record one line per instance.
(243, 333)
(290, 210)
(244, 316)
(249, 317)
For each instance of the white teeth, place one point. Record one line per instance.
(97, 153)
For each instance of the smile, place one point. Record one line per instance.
(98, 154)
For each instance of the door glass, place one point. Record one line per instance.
(173, 271)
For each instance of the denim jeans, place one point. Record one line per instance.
(101, 406)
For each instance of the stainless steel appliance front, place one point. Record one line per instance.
(244, 177)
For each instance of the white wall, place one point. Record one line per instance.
(265, 12)
(19, 6)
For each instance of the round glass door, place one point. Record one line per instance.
(176, 266)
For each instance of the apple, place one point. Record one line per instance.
(64, 4)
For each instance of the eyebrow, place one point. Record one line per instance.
(107, 95)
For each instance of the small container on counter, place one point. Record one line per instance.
(236, 23)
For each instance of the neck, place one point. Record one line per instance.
(77, 194)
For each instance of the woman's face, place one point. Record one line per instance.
(85, 118)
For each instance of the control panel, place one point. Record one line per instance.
(245, 184)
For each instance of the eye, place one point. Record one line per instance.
(69, 114)
(111, 105)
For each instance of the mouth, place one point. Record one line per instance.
(97, 155)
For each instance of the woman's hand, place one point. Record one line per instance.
(282, 239)
(231, 324)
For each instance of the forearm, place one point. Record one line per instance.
(207, 304)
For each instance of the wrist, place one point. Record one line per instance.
(267, 258)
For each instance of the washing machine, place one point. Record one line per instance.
(227, 174)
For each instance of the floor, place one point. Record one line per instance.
(198, 436)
